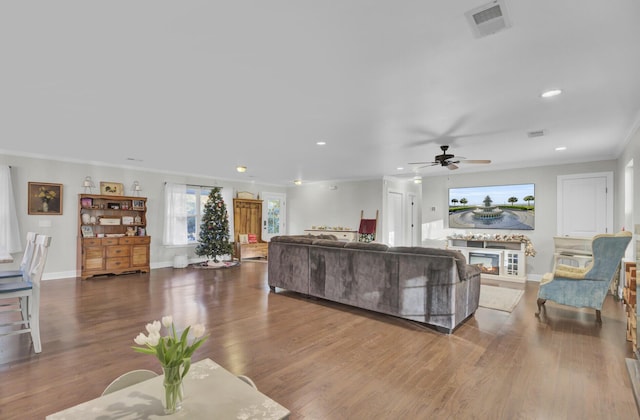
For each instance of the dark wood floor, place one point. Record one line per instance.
(323, 360)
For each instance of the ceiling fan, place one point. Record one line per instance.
(449, 161)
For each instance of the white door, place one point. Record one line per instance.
(394, 219)
(412, 220)
(273, 215)
(585, 204)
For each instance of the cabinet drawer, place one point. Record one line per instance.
(110, 241)
(118, 251)
(139, 240)
(119, 262)
(92, 242)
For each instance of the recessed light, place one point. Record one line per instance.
(298, 182)
(561, 148)
(417, 180)
(399, 168)
(551, 93)
(321, 143)
(241, 169)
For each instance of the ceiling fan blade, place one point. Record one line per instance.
(452, 166)
(429, 164)
(423, 163)
(477, 161)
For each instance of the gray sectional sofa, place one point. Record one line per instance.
(428, 285)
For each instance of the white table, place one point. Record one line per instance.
(211, 392)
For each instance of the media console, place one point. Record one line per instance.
(498, 259)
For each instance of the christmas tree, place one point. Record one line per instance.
(214, 229)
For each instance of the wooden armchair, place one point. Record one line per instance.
(586, 287)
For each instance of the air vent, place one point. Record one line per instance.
(488, 19)
(536, 133)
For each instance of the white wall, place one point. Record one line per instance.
(435, 194)
(332, 204)
(61, 261)
(631, 152)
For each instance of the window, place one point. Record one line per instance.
(184, 206)
(9, 232)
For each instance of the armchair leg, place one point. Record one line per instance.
(540, 302)
(598, 316)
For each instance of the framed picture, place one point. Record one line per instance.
(111, 188)
(113, 206)
(137, 205)
(44, 198)
(87, 232)
(86, 203)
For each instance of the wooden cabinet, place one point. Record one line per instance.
(112, 235)
(247, 219)
(629, 297)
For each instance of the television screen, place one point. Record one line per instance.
(492, 207)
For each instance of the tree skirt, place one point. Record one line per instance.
(216, 265)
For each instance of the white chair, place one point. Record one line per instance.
(127, 379)
(27, 259)
(24, 296)
(247, 380)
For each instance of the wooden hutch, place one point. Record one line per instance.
(112, 236)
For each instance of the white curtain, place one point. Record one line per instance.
(175, 214)
(9, 229)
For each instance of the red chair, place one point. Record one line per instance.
(367, 229)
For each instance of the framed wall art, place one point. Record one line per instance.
(111, 188)
(137, 205)
(492, 207)
(44, 198)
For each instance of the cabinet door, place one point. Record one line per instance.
(139, 255)
(93, 258)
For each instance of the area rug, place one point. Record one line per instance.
(499, 298)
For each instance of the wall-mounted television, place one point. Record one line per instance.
(492, 207)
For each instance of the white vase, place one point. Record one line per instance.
(45, 206)
(86, 218)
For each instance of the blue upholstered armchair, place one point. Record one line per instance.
(586, 287)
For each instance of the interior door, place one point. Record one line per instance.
(273, 215)
(585, 204)
(395, 219)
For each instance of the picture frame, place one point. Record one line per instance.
(113, 206)
(111, 188)
(137, 205)
(86, 202)
(87, 231)
(44, 198)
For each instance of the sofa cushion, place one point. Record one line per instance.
(464, 270)
(330, 242)
(369, 246)
(430, 251)
(294, 239)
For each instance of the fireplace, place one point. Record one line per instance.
(488, 263)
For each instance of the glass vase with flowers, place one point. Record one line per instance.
(174, 353)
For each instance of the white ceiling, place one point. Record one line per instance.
(198, 87)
